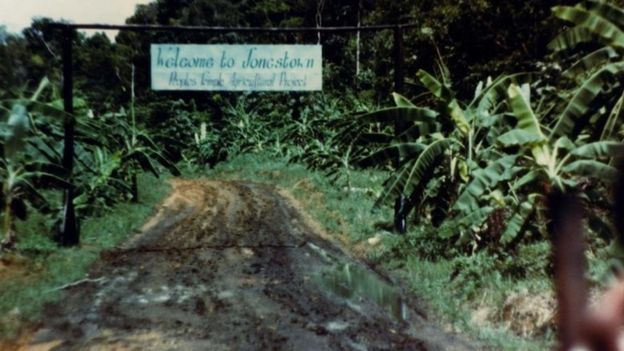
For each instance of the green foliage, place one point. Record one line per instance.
(480, 154)
(596, 102)
(453, 144)
(473, 156)
(300, 127)
(109, 154)
(48, 267)
(135, 149)
(171, 123)
(205, 146)
(23, 173)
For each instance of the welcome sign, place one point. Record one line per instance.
(236, 67)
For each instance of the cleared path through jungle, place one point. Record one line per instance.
(235, 266)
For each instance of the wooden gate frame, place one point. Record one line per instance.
(69, 232)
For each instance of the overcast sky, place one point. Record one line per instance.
(17, 14)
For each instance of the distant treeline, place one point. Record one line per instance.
(474, 38)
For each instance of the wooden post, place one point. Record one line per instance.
(68, 231)
(568, 246)
(400, 203)
(358, 39)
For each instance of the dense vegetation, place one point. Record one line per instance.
(505, 101)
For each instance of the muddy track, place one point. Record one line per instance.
(232, 266)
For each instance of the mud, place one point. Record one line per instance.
(230, 266)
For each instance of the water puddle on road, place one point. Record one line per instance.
(355, 283)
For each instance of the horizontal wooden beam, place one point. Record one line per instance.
(151, 27)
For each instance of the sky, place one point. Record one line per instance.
(17, 14)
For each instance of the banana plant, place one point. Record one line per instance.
(591, 111)
(558, 160)
(133, 148)
(100, 184)
(476, 167)
(549, 161)
(21, 173)
(417, 151)
(446, 144)
(136, 150)
(598, 93)
(516, 181)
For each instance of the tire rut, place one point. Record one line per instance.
(227, 266)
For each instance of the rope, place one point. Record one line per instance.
(319, 19)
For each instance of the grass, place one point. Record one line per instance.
(452, 288)
(39, 267)
(454, 300)
(342, 211)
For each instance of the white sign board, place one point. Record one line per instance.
(237, 67)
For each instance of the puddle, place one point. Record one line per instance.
(355, 283)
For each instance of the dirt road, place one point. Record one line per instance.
(234, 266)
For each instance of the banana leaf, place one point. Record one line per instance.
(590, 62)
(483, 180)
(599, 149)
(519, 220)
(582, 100)
(592, 21)
(592, 169)
(411, 173)
(571, 38)
(610, 12)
